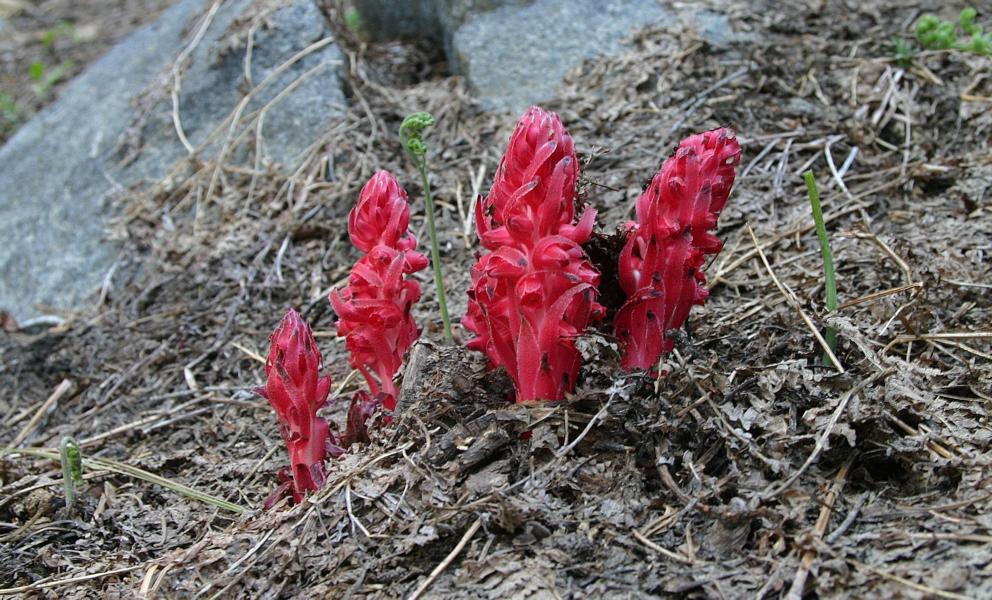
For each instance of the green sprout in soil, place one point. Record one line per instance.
(933, 33)
(72, 468)
(353, 21)
(11, 114)
(903, 52)
(412, 138)
(830, 281)
(64, 30)
(45, 78)
(936, 34)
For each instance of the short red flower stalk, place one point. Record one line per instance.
(660, 264)
(296, 392)
(374, 308)
(536, 291)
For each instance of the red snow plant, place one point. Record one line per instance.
(296, 391)
(660, 264)
(536, 290)
(374, 308)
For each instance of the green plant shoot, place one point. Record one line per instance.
(936, 34)
(62, 30)
(353, 21)
(10, 113)
(412, 138)
(903, 52)
(45, 78)
(71, 457)
(830, 281)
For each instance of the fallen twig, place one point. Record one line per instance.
(790, 297)
(799, 582)
(447, 560)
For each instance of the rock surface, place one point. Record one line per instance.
(215, 82)
(517, 56)
(515, 53)
(58, 172)
(416, 19)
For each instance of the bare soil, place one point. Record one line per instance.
(751, 470)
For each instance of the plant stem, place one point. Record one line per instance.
(412, 139)
(830, 281)
(72, 469)
(126, 469)
(435, 252)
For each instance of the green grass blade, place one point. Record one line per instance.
(130, 471)
(830, 280)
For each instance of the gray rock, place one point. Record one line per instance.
(452, 14)
(710, 26)
(517, 56)
(53, 174)
(516, 52)
(214, 84)
(57, 173)
(435, 20)
(431, 19)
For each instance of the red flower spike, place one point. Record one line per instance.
(536, 291)
(362, 408)
(296, 392)
(374, 308)
(659, 266)
(381, 216)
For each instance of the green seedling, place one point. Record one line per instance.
(412, 138)
(903, 52)
(71, 457)
(45, 78)
(967, 20)
(936, 34)
(62, 30)
(830, 281)
(10, 113)
(353, 21)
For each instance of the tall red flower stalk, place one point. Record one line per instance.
(659, 266)
(296, 391)
(536, 290)
(374, 308)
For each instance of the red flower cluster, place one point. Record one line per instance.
(295, 391)
(536, 291)
(374, 308)
(660, 264)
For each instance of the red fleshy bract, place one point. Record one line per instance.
(381, 216)
(363, 407)
(296, 391)
(536, 291)
(374, 308)
(660, 264)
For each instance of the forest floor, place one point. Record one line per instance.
(751, 470)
